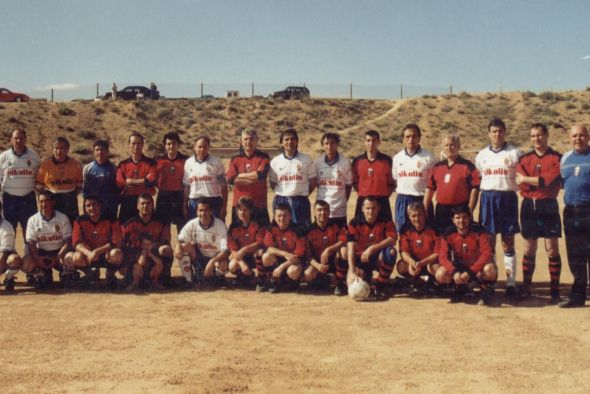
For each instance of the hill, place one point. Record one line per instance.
(222, 120)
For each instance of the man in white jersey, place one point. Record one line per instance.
(10, 262)
(334, 179)
(498, 212)
(202, 248)
(48, 236)
(411, 169)
(18, 170)
(204, 176)
(293, 176)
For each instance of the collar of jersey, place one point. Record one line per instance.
(22, 154)
(331, 163)
(206, 228)
(290, 158)
(47, 220)
(413, 154)
(202, 161)
(60, 162)
(499, 150)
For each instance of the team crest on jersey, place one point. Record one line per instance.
(418, 164)
(325, 239)
(321, 172)
(506, 161)
(284, 242)
(371, 237)
(213, 238)
(299, 167)
(95, 235)
(370, 171)
(29, 163)
(339, 174)
(465, 248)
(57, 228)
(172, 170)
(136, 173)
(247, 236)
(538, 168)
(419, 243)
(247, 167)
(209, 168)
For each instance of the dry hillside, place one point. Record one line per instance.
(465, 114)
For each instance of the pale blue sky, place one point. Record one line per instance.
(473, 45)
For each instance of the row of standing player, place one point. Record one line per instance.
(292, 178)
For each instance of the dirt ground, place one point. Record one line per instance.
(240, 341)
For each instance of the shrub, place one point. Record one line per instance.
(65, 111)
(88, 135)
(528, 94)
(81, 150)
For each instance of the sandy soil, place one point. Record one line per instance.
(240, 341)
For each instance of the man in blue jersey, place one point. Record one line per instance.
(100, 180)
(575, 171)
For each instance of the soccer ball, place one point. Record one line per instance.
(359, 290)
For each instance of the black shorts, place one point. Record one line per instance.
(540, 219)
(67, 203)
(169, 208)
(340, 222)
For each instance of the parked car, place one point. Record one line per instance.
(292, 92)
(130, 93)
(8, 96)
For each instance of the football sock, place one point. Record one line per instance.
(528, 269)
(555, 272)
(341, 269)
(510, 265)
(10, 273)
(185, 268)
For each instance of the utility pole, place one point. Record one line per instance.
(201, 89)
(401, 91)
(97, 89)
(351, 90)
(252, 89)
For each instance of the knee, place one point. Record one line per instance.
(309, 274)
(115, 256)
(402, 267)
(165, 251)
(234, 267)
(78, 259)
(14, 261)
(490, 272)
(268, 260)
(294, 272)
(443, 276)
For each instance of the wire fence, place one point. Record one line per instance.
(246, 89)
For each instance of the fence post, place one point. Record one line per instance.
(201, 89)
(252, 89)
(351, 90)
(401, 91)
(97, 90)
(52, 95)
(451, 90)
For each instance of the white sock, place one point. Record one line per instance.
(510, 266)
(185, 268)
(10, 273)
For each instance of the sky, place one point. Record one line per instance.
(376, 45)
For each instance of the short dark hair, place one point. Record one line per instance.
(459, 209)
(292, 132)
(47, 194)
(282, 206)
(92, 197)
(412, 126)
(18, 129)
(205, 138)
(246, 201)
(136, 134)
(416, 206)
(371, 199)
(172, 136)
(62, 140)
(145, 196)
(330, 136)
(541, 126)
(373, 133)
(322, 203)
(496, 122)
(101, 144)
(207, 201)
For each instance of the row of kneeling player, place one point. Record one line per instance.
(282, 254)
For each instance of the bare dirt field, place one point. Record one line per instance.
(241, 341)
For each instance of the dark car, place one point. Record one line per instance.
(292, 92)
(130, 93)
(8, 96)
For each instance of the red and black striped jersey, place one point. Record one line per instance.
(319, 239)
(453, 184)
(372, 178)
(145, 169)
(418, 244)
(472, 251)
(365, 234)
(94, 235)
(135, 226)
(546, 167)
(240, 164)
(170, 172)
(240, 236)
(291, 240)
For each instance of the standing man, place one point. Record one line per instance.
(135, 175)
(61, 175)
(293, 177)
(204, 177)
(575, 171)
(455, 181)
(100, 179)
(538, 175)
(411, 171)
(498, 211)
(170, 168)
(248, 173)
(371, 176)
(334, 179)
(18, 171)
(10, 262)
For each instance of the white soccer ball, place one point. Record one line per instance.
(359, 290)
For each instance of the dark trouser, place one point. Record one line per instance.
(67, 203)
(169, 208)
(128, 208)
(18, 209)
(576, 222)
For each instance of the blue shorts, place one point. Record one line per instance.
(498, 212)
(18, 209)
(401, 210)
(300, 208)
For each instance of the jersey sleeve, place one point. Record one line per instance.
(232, 242)
(31, 234)
(312, 170)
(117, 236)
(76, 234)
(220, 172)
(67, 228)
(404, 243)
(272, 175)
(41, 174)
(264, 168)
(151, 177)
(184, 234)
(485, 253)
(121, 179)
(222, 237)
(7, 242)
(300, 247)
(390, 231)
(443, 256)
(232, 171)
(268, 239)
(552, 174)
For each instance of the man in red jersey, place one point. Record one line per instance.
(455, 181)
(170, 168)
(135, 175)
(418, 247)
(248, 173)
(96, 241)
(145, 222)
(371, 241)
(466, 257)
(327, 250)
(285, 252)
(372, 176)
(245, 241)
(537, 174)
